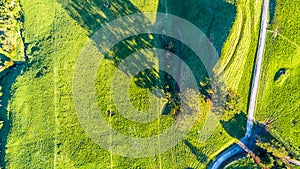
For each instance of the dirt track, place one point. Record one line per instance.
(233, 151)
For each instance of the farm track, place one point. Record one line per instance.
(248, 140)
(257, 69)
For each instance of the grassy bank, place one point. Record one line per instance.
(278, 92)
(237, 57)
(45, 131)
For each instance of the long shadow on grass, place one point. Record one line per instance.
(93, 15)
(265, 137)
(214, 18)
(5, 116)
(235, 126)
(201, 157)
(272, 10)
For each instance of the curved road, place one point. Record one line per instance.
(226, 156)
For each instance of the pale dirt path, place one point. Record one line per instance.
(235, 150)
(257, 69)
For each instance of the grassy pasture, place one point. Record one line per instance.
(237, 57)
(45, 131)
(244, 163)
(278, 96)
(278, 93)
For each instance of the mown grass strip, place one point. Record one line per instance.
(231, 43)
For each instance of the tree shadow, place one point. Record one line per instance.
(235, 126)
(201, 157)
(272, 10)
(267, 156)
(265, 135)
(214, 18)
(6, 82)
(93, 14)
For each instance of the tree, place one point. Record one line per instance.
(272, 152)
(276, 154)
(222, 99)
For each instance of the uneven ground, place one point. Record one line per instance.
(45, 131)
(278, 95)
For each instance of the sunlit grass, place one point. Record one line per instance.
(45, 131)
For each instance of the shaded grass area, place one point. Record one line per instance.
(243, 163)
(58, 140)
(214, 18)
(5, 114)
(237, 58)
(92, 15)
(280, 97)
(236, 126)
(272, 10)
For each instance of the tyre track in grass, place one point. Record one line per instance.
(231, 77)
(235, 36)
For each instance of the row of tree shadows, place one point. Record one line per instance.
(216, 29)
(89, 14)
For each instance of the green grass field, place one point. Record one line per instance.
(278, 93)
(278, 97)
(237, 57)
(45, 131)
(243, 164)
